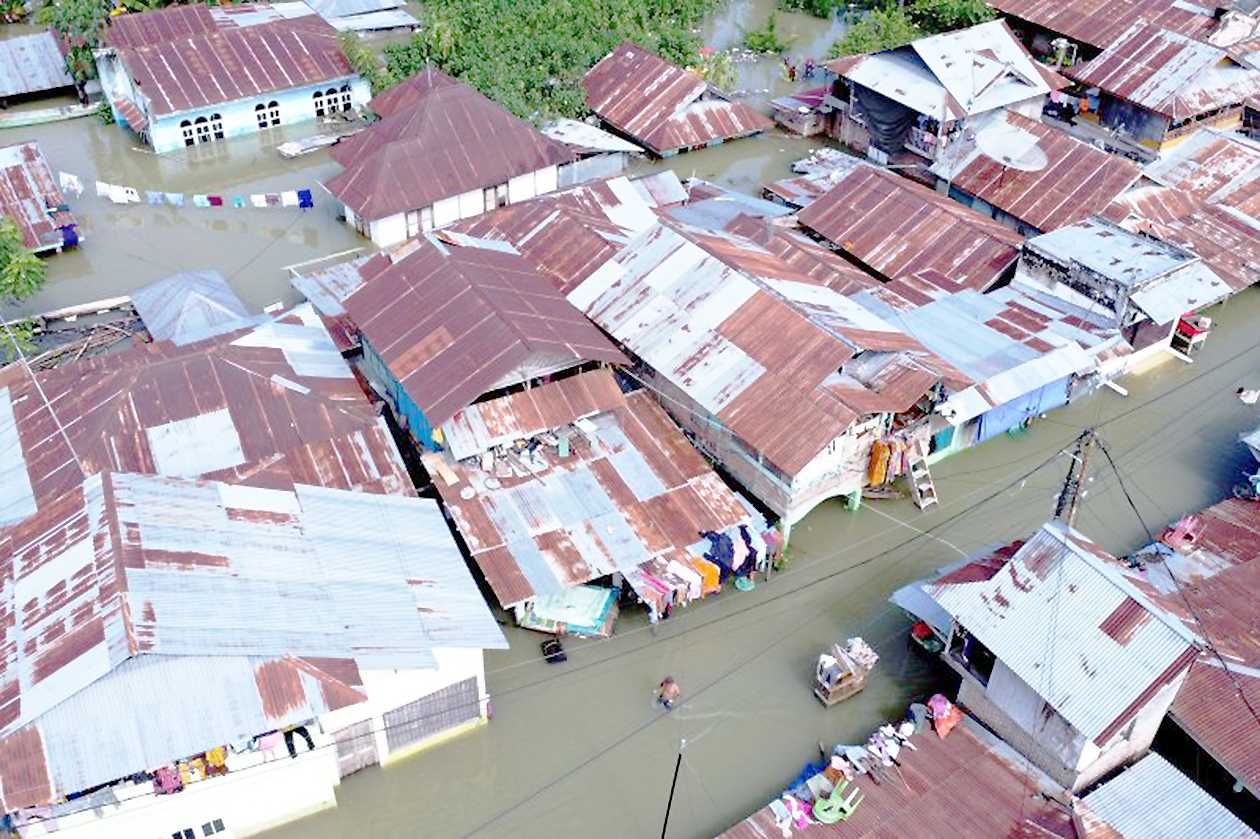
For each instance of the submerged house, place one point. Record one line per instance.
(277, 606)
(30, 197)
(1132, 282)
(188, 75)
(918, 97)
(1060, 654)
(663, 107)
(895, 228)
(191, 306)
(1031, 176)
(443, 152)
(175, 522)
(32, 65)
(1159, 87)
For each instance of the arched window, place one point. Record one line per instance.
(216, 125)
(319, 103)
(345, 97)
(260, 114)
(273, 112)
(202, 126)
(186, 128)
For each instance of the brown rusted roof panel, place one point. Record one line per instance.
(899, 228)
(29, 196)
(1099, 22)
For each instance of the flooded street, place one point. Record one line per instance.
(579, 748)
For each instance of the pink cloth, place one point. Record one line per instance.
(269, 743)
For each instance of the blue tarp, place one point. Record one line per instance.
(1005, 417)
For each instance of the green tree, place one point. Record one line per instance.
(880, 29)
(22, 273)
(947, 15)
(715, 67)
(17, 339)
(80, 23)
(364, 62)
(817, 8)
(766, 40)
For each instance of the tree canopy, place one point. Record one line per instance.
(80, 24)
(22, 273)
(880, 29)
(530, 55)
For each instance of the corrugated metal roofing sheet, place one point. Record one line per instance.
(1076, 182)
(440, 140)
(1167, 73)
(587, 138)
(455, 321)
(1152, 800)
(899, 228)
(186, 57)
(1215, 166)
(1044, 615)
(191, 306)
(661, 105)
(966, 786)
(630, 490)
(951, 75)
(1111, 252)
(1098, 23)
(32, 64)
(223, 577)
(29, 194)
(290, 401)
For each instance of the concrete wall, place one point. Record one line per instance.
(297, 105)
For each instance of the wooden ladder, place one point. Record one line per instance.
(922, 488)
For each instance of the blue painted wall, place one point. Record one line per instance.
(405, 408)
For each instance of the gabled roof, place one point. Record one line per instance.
(451, 140)
(1099, 24)
(28, 195)
(188, 307)
(1151, 800)
(186, 57)
(1168, 73)
(952, 75)
(407, 94)
(899, 228)
(630, 494)
(275, 400)
(661, 105)
(1065, 620)
(459, 317)
(1072, 180)
(32, 64)
(131, 587)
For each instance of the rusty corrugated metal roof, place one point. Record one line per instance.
(899, 228)
(1168, 73)
(407, 94)
(187, 57)
(1059, 582)
(263, 400)
(1098, 23)
(138, 585)
(1215, 166)
(1076, 182)
(449, 141)
(661, 105)
(965, 786)
(29, 194)
(631, 489)
(458, 318)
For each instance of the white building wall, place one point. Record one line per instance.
(391, 230)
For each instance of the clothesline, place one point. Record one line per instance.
(303, 199)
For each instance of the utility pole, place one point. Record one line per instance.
(1070, 497)
(673, 784)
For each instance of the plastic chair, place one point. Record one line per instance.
(838, 807)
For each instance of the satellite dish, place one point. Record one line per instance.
(1011, 146)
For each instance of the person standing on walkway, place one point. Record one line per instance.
(668, 692)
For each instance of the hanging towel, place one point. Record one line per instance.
(215, 200)
(289, 198)
(70, 184)
(201, 201)
(118, 194)
(102, 189)
(258, 199)
(305, 199)
(273, 199)
(154, 198)
(132, 196)
(238, 201)
(175, 199)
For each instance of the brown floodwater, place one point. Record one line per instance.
(578, 748)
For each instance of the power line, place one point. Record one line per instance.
(1172, 575)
